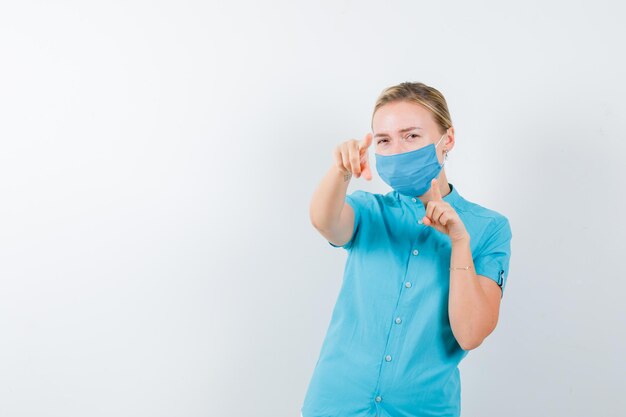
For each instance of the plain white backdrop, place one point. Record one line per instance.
(157, 161)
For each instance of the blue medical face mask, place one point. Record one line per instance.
(410, 173)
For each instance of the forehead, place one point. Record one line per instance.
(393, 117)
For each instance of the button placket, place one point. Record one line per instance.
(397, 320)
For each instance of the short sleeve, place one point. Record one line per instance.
(493, 259)
(358, 201)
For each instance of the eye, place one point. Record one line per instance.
(380, 141)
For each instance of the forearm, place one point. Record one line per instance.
(468, 309)
(328, 198)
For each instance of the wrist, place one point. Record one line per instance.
(463, 238)
(342, 173)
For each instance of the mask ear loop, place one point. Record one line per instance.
(445, 155)
(440, 139)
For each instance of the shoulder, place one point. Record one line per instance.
(483, 218)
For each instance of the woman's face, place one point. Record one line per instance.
(402, 126)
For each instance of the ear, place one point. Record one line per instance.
(448, 142)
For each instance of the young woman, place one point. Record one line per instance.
(425, 272)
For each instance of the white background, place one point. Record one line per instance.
(157, 161)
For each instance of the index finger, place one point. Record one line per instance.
(436, 190)
(365, 143)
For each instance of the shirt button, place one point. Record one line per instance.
(414, 199)
(407, 284)
(420, 221)
(398, 320)
(415, 252)
(379, 399)
(388, 358)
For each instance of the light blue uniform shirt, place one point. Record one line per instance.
(389, 350)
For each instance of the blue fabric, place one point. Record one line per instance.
(389, 350)
(410, 173)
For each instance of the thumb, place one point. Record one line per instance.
(365, 167)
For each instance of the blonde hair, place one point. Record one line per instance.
(419, 93)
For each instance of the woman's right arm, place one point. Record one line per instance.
(330, 214)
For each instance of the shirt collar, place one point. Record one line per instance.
(453, 198)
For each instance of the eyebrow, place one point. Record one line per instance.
(406, 129)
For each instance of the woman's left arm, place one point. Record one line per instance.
(474, 300)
